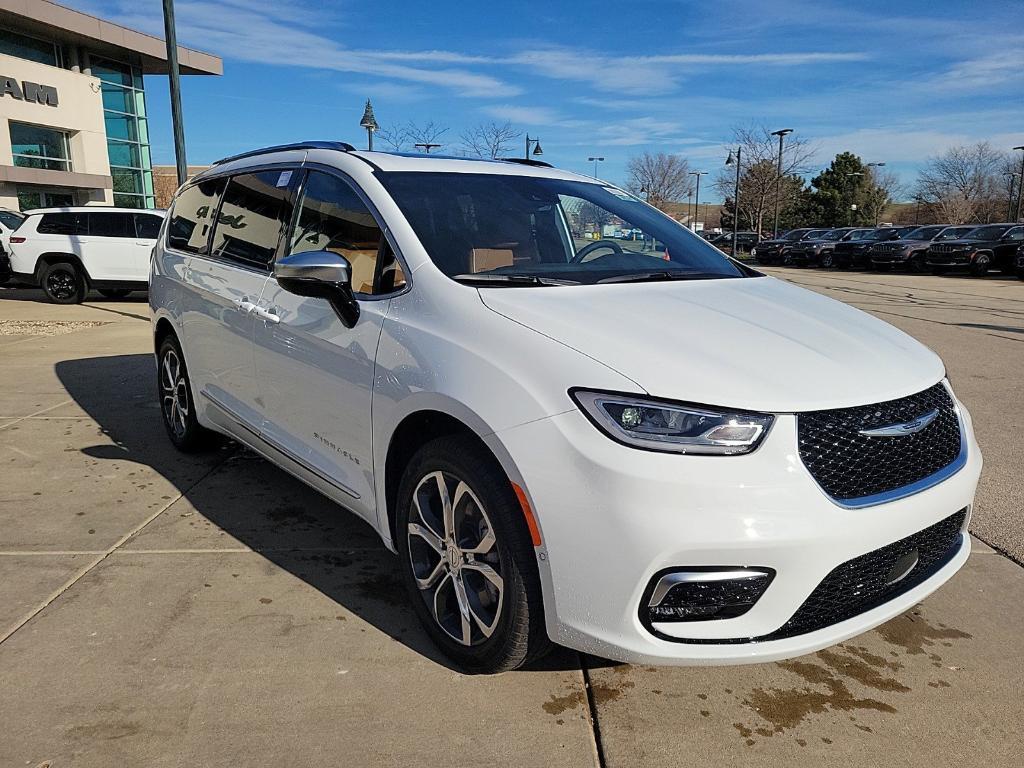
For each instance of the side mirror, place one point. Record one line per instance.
(320, 275)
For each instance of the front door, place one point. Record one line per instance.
(108, 251)
(315, 374)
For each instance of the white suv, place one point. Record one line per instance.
(642, 450)
(67, 251)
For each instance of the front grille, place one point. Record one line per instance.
(860, 584)
(943, 248)
(888, 248)
(864, 583)
(850, 466)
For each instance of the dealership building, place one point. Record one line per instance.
(73, 123)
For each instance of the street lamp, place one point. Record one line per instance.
(369, 122)
(1020, 184)
(595, 161)
(735, 196)
(427, 146)
(852, 206)
(536, 150)
(877, 212)
(177, 124)
(778, 179)
(696, 199)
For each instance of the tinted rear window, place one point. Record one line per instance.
(147, 226)
(63, 224)
(111, 224)
(192, 216)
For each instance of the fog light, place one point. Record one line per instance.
(707, 593)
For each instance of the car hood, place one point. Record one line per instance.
(962, 242)
(754, 343)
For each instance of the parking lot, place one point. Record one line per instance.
(162, 609)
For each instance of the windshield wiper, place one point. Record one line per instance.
(508, 279)
(639, 277)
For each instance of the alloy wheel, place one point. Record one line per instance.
(455, 559)
(174, 393)
(61, 284)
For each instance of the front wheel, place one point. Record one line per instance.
(981, 264)
(916, 262)
(64, 283)
(827, 261)
(468, 560)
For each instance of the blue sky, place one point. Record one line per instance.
(894, 81)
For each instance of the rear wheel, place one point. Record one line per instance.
(916, 262)
(981, 264)
(176, 404)
(1018, 264)
(827, 260)
(115, 293)
(468, 561)
(63, 283)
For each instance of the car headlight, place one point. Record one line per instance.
(673, 427)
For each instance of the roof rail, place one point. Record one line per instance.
(340, 146)
(525, 161)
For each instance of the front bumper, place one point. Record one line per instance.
(949, 259)
(612, 517)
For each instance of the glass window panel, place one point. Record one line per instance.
(139, 98)
(251, 217)
(192, 216)
(128, 201)
(121, 153)
(143, 130)
(334, 218)
(120, 127)
(111, 224)
(63, 224)
(127, 181)
(118, 99)
(36, 140)
(28, 201)
(30, 48)
(147, 226)
(147, 182)
(112, 72)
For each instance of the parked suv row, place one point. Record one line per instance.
(67, 251)
(993, 246)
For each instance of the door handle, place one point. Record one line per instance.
(266, 315)
(245, 306)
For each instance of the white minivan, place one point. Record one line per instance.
(67, 251)
(642, 450)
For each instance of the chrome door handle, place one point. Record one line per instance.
(245, 306)
(267, 315)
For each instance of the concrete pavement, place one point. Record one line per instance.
(158, 609)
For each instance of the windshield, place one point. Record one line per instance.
(858, 234)
(835, 234)
(954, 233)
(881, 234)
(795, 235)
(986, 233)
(815, 234)
(525, 230)
(10, 219)
(924, 233)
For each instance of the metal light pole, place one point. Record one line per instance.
(778, 178)
(689, 202)
(876, 165)
(849, 216)
(696, 199)
(595, 161)
(174, 79)
(735, 197)
(1020, 184)
(369, 122)
(536, 150)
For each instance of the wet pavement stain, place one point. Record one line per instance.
(559, 705)
(914, 634)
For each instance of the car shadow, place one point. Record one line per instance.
(255, 503)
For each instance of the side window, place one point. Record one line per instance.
(63, 224)
(192, 216)
(332, 217)
(147, 226)
(1016, 233)
(251, 217)
(110, 225)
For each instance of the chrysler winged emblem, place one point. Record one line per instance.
(906, 428)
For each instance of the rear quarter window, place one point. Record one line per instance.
(64, 223)
(191, 217)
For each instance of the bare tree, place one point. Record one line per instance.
(662, 177)
(489, 140)
(759, 179)
(963, 185)
(395, 136)
(882, 190)
(429, 132)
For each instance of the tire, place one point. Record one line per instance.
(114, 293)
(980, 265)
(177, 408)
(827, 261)
(505, 628)
(63, 283)
(1019, 265)
(916, 263)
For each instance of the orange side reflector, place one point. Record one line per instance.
(531, 521)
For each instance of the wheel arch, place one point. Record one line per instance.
(56, 257)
